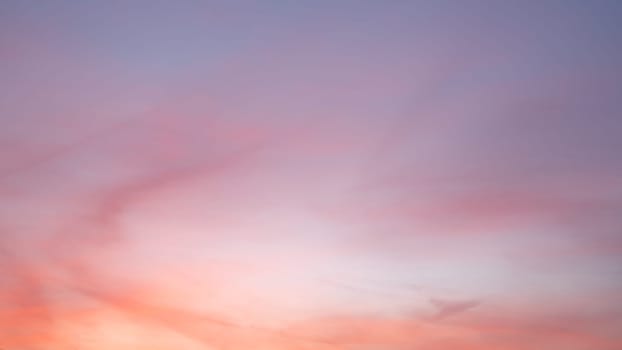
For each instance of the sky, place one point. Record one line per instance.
(310, 175)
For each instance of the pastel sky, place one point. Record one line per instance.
(320, 175)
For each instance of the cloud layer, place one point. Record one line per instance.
(321, 175)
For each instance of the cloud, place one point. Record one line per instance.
(446, 308)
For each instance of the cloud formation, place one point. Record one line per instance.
(354, 175)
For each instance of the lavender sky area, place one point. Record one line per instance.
(320, 175)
